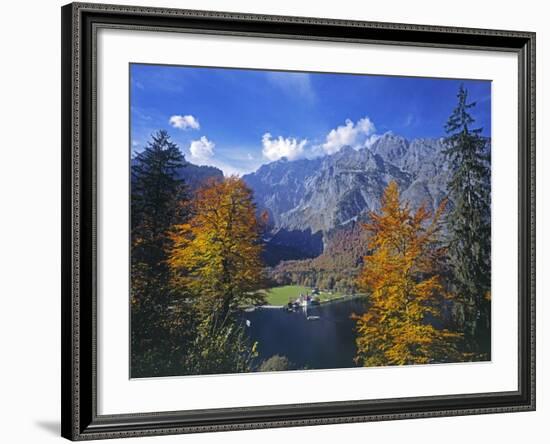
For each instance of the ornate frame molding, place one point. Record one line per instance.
(80, 22)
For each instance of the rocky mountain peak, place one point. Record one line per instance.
(308, 198)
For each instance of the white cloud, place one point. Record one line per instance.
(293, 83)
(202, 149)
(371, 139)
(274, 149)
(352, 134)
(184, 122)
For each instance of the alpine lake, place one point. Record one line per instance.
(311, 337)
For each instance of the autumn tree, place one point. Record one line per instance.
(469, 220)
(157, 197)
(406, 292)
(215, 262)
(216, 254)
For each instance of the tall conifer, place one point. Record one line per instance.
(156, 204)
(469, 220)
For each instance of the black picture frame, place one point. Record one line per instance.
(80, 420)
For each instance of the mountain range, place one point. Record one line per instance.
(309, 199)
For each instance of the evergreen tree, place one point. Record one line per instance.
(157, 202)
(156, 196)
(469, 221)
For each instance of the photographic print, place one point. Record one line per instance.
(302, 220)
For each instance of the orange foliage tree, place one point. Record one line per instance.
(405, 289)
(216, 255)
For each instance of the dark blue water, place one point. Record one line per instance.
(325, 343)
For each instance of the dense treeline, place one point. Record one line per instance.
(336, 269)
(156, 334)
(414, 273)
(469, 224)
(195, 258)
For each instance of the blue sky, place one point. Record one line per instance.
(239, 119)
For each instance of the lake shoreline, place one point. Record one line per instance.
(325, 302)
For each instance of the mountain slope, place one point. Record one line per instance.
(308, 198)
(195, 175)
(346, 186)
(279, 186)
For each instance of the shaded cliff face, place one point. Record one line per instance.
(311, 197)
(196, 175)
(280, 186)
(346, 186)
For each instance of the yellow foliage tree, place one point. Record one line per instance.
(216, 254)
(401, 277)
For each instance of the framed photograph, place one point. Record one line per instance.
(281, 221)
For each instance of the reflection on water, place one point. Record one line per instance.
(328, 342)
